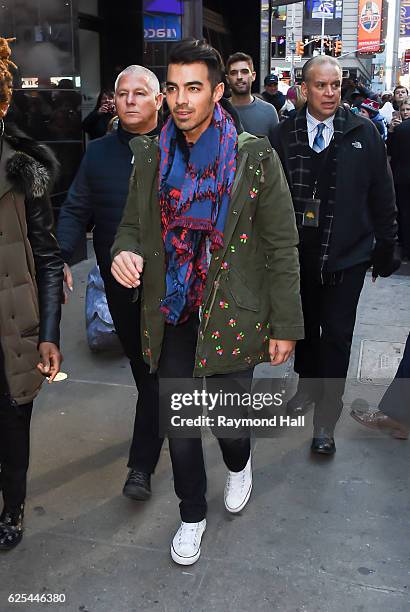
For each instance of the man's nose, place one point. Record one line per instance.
(329, 90)
(181, 97)
(130, 99)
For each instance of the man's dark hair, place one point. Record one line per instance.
(400, 87)
(239, 56)
(191, 50)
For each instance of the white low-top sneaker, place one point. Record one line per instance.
(238, 488)
(186, 545)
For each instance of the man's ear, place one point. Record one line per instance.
(218, 92)
(253, 76)
(159, 100)
(304, 89)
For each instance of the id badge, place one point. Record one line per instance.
(311, 214)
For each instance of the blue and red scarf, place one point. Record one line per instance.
(194, 193)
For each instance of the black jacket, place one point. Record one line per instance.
(32, 171)
(398, 146)
(365, 202)
(99, 191)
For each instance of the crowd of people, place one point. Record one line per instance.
(228, 232)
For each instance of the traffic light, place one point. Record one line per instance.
(338, 47)
(300, 47)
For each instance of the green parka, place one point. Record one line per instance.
(252, 290)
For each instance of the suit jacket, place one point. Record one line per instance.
(365, 202)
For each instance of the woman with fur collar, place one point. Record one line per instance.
(31, 275)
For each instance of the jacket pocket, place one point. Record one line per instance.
(31, 332)
(242, 295)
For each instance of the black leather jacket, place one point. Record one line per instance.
(32, 171)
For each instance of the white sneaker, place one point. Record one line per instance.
(238, 489)
(186, 545)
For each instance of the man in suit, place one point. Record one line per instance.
(343, 197)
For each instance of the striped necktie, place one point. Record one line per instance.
(319, 141)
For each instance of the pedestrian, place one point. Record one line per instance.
(393, 413)
(272, 94)
(371, 110)
(398, 146)
(99, 190)
(386, 106)
(257, 117)
(220, 271)
(343, 197)
(295, 100)
(400, 92)
(31, 275)
(97, 122)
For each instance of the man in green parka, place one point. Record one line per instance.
(209, 224)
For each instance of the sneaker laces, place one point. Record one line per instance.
(188, 532)
(137, 478)
(236, 479)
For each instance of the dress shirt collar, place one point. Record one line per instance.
(312, 122)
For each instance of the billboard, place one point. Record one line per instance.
(326, 9)
(405, 18)
(162, 28)
(175, 7)
(369, 26)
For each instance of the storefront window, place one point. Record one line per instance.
(47, 99)
(278, 46)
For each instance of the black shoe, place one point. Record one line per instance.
(299, 404)
(323, 443)
(11, 528)
(138, 485)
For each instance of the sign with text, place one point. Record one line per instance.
(369, 26)
(162, 28)
(405, 18)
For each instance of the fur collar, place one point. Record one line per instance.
(33, 168)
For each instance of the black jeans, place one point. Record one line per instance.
(177, 361)
(146, 444)
(322, 358)
(14, 450)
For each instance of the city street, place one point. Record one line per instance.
(323, 536)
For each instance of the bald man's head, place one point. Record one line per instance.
(321, 86)
(319, 60)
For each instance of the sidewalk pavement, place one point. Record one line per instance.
(317, 535)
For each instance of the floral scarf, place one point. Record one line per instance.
(194, 193)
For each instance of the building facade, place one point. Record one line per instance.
(68, 50)
(302, 23)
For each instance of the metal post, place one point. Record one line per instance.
(322, 37)
(293, 49)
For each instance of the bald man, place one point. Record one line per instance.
(344, 203)
(99, 191)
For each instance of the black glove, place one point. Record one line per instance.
(385, 259)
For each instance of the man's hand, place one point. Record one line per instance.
(280, 351)
(127, 269)
(68, 282)
(51, 359)
(107, 107)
